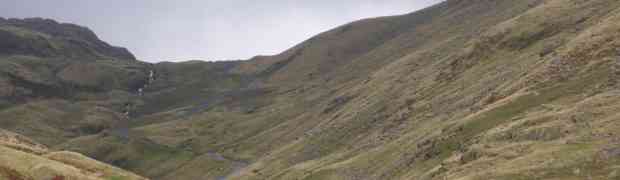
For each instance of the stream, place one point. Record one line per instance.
(122, 131)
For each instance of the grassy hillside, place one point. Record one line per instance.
(59, 81)
(60, 98)
(466, 89)
(445, 92)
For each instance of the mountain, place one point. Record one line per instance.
(48, 38)
(54, 83)
(465, 89)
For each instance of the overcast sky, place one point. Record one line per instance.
(175, 30)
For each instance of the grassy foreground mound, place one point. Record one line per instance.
(24, 159)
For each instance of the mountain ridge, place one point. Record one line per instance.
(70, 35)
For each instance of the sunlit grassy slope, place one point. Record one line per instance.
(24, 159)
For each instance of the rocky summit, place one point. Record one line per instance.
(463, 90)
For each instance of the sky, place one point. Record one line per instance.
(179, 30)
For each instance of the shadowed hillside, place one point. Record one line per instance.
(465, 89)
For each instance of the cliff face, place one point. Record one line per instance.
(48, 38)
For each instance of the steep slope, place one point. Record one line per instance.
(458, 104)
(463, 102)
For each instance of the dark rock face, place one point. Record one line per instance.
(68, 40)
